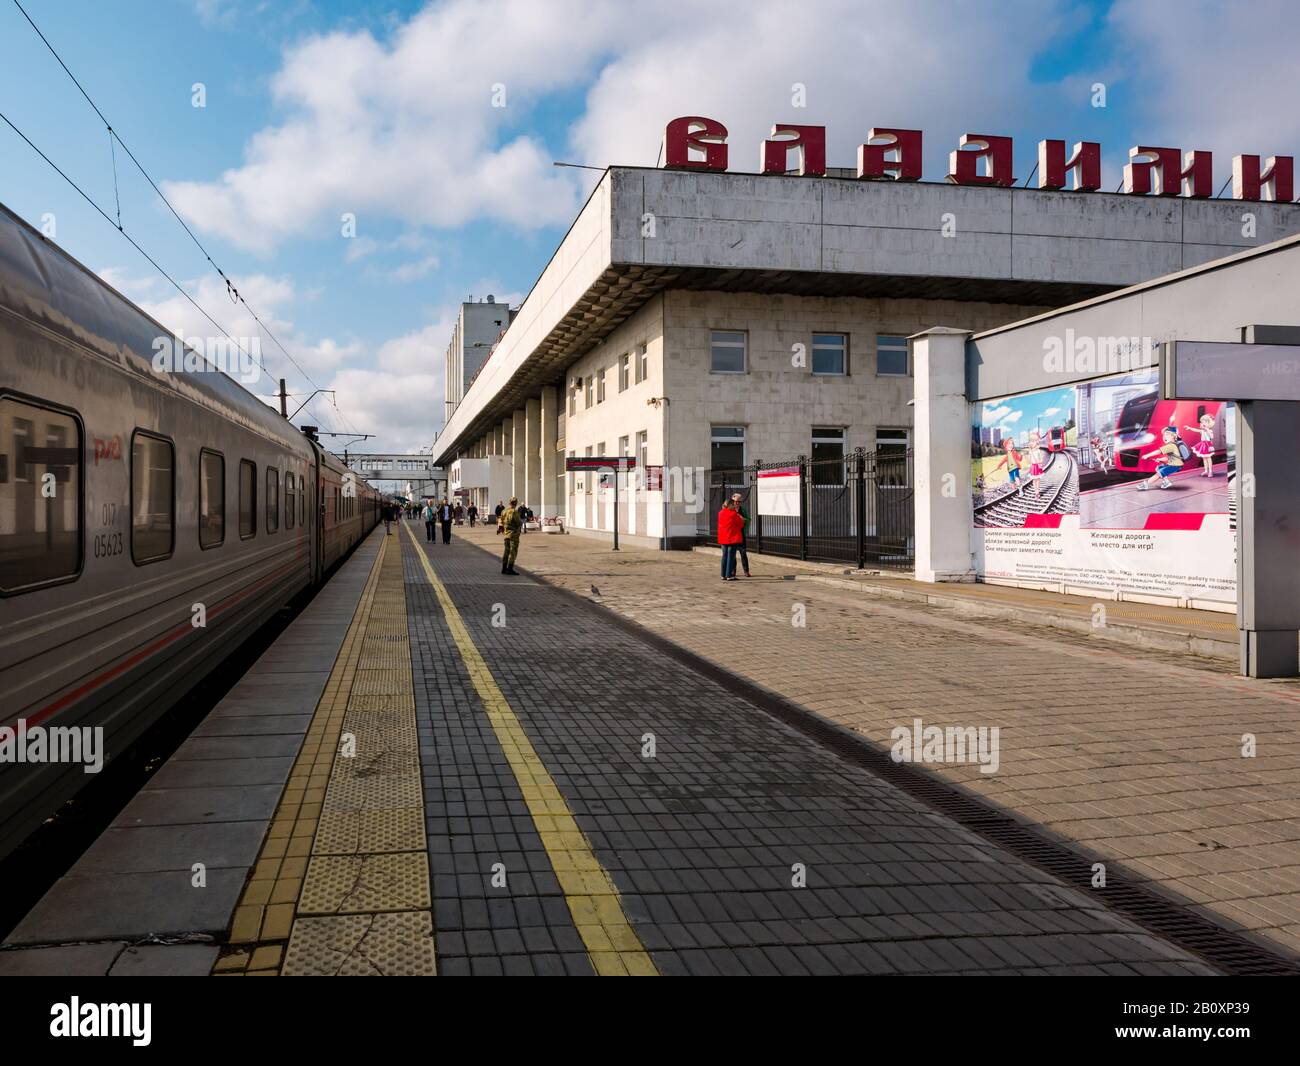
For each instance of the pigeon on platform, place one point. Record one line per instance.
(595, 591)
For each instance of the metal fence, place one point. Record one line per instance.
(858, 509)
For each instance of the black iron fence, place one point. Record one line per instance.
(858, 509)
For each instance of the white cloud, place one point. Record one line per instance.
(1210, 77)
(272, 296)
(405, 127)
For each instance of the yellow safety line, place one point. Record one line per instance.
(589, 891)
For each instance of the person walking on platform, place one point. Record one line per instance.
(388, 517)
(429, 518)
(744, 531)
(500, 507)
(473, 514)
(444, 516)
(510, 524)
(730, 533)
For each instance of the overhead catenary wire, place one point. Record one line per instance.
(231, 289)
(134, 243)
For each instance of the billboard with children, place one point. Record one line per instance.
(1105, 486)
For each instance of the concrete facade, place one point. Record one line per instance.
(657, 260)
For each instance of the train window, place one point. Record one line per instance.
(40, 496)
(288, 501)
(153, 486)
(272, 500)
(247, 498)
(212, 499)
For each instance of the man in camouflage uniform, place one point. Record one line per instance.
(510, 524)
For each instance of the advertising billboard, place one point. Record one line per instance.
(1104, 485)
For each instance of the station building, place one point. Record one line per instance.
(702, 320)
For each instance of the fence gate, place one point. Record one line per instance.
(857, 510)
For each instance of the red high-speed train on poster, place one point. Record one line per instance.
(1141, 421)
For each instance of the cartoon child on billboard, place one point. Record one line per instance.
(1205, 446)
(1011, 460)
(1171, 459)
(1037, 458)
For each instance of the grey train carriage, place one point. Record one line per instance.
(135, 503)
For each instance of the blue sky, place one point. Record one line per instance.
(384, 110)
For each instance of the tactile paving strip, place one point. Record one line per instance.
(390, 781)
(360, 945)
(389, 701)
(356, 852)
(342, 832)
(365, 883)
(382, 682)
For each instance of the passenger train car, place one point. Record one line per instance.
(150, 520)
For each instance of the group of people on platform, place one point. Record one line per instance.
(512, 519)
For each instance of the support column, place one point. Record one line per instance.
(941, 450)
(550, 505)
(518, 455)
(1268, 575)
(532, 496)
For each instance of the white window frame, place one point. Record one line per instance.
(624, 371)
(843, 372)
(907, 355)
(642, 363)
(743, 438)
(743, 346)
(842, 439)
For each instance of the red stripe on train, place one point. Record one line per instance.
(171, 637)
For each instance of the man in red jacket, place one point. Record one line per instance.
(731, 527)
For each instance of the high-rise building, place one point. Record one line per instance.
(478, 326)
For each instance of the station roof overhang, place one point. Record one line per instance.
(827, 237)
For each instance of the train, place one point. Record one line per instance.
(153, 516)
(1142, 418)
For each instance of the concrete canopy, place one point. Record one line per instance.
(644, 230)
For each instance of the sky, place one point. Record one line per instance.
(358, 169)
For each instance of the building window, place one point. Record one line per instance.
(153, 484)
(591, 390)
(624, 446)
(247, 498)
(891, 462)
(643, 449)
(642, 363)
(272, 500)
(624, 372)
(212, 499)
(40, 535)
(891, 357)
(573, 395)
(600, 385)
(726, 352)
(830, 354)
(727, 447)
(827, 467)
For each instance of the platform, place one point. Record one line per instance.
(442, 769)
